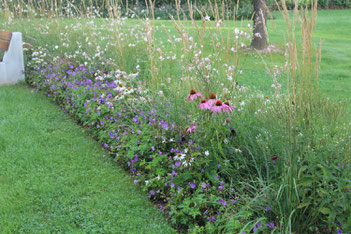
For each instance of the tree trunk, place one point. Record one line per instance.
(260, 37)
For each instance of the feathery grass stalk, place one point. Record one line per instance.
(302, 95)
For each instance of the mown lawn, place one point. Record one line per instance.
(55, 178)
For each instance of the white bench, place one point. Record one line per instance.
(12, 65)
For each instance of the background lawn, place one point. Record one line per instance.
(55, 178)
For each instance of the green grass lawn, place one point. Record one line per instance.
(55, 178)
(334, 31)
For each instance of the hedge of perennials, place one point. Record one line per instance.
(164, 159)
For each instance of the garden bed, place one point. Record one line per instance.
(191, 180)
(174, 104)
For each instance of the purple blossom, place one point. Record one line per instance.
(192, 185)
(270, 225)
(135, 119)
(165, 126)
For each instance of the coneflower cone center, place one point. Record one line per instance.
(218, 103)
(212, 96)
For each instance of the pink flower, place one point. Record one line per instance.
(226, 107)
(204, 105)
(212, 100)
(217, 108)
(193, 95)
(191, 129)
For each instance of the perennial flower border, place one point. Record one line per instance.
(177, 174)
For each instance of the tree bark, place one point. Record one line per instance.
(260, 37)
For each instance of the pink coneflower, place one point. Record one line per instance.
(193, 95)
(204, 105)
(212, 100)
(191, 129)
(217, 107)
(226, 107)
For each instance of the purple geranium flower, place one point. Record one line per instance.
(270, 225)
(192, 185)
